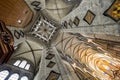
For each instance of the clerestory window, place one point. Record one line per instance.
(22, 64)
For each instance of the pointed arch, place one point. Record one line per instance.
(23, 64)
(4, 74)
(14, 76)
(17, 63)
(24, 78)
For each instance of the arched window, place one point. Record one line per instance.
(4, 74)
(24, 78)
(14, 77)
(17, 63)
(23, 64)
(27, 66)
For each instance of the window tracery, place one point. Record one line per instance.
(24, 78)
(14, 76)
(4, 74)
